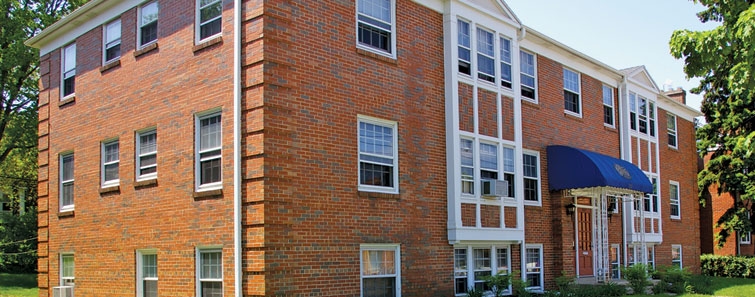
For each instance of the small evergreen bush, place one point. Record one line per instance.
(637, 276)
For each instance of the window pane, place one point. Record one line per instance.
(488, 156)
(210, 171)
(467, 153)
(149, 265)
(111, 172)
(530, 166)
(113, 32)
(571, 101)
(111, 152)
(378, 262)
(211, 265)
(571, 80)
(212, 289)
(67, 266)
(375, 139)
(67, 167)
(148, 143)
(379, 287)
(378, 9)
(70, 58)
(209, 132)
(150, 288)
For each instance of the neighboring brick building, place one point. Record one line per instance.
(346, 148)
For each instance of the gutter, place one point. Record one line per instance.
(237, 274)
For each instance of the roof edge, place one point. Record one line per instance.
(65, 24)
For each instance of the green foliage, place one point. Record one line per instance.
(565, 282)
(498, 283)
(728, 266)
(722, 58)
(18, 285)
(18, 242)
(473, 292)
(699, 284)
(519, 286)
(671, 279)
(637, 276)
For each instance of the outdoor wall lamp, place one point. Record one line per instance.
(571, 208)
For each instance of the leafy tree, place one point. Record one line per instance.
(19, 21)
(724, 59)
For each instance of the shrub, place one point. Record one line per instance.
(473, 292)
(519, 286)
(637, 276)
(728, 266)
(699, 284)
(565, 283)
(675, 278)
(498, 283)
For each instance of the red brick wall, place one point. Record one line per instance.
(466, 107)
(164, 89)
(488, 117)
(316, 84)
(677, 165)
(507, 115)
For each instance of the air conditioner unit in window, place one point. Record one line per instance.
(493, 188)
(62, 291)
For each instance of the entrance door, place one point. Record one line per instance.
(584, 233)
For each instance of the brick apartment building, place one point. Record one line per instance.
(346, 148)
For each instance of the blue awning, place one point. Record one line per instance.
(572, 168)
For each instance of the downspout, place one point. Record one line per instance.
(625, 215)
(237, 148)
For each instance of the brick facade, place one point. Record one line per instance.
(304, 86)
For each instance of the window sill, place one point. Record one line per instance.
(146, 183)
(67, 100)
(365, 194)
(208, 194)
(110, 65)
(573, 116)
(608, 127)
(110, 189)
(532, 203)
(207, 43)
(530, 102)
(678, 219)
(146, 49)
(377, 56)
(66, 213)
(673, 148)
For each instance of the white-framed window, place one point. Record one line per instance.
(465, 47)
(146, 154)
(615, 257)
(488, 161)
(572, 100)
(110, 163)
(650, 201)
(528, 76)
(673, 196)
(651, 256)
(531, 166)
(66, 181)
(632, 256)
(473, 263)
(380, 270)
(608, 115)
(641, 114)
(485, 55)
(676, 255)
(209, 19)
(376, 30)
(208, 151)
(68, 66)
(209, 272)
(746, 237)
(613, 203)
(148, 16)
(67, 276)
(534, 261)
(509, 169)
(467, 166)
(671, 129)
(482, 267)
(146, 273)
(378, 155)
(112, 41)
(505, 50)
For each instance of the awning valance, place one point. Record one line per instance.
(572, 168)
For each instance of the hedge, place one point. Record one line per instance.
(728, 266)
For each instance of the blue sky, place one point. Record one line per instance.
(619, 33)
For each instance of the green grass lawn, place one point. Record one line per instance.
(722, 286)
(18, 285)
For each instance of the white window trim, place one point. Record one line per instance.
(139, 155)
(674, 131)
(618, 257)
(392, 54)
(198, 26)
(578, 92)
(397, 260)
(534, 62)
(469, 47)
(539, 201)
(140, 270)
(63, 71)
(197, 152)
(493, 57)
(115, 42)
(542, 267)
(198, 266)
(369, 188)
(63, 278)
(612, 106)
(678, 199)
(62, 182)
(746, 238)
(139, 25)
(474, 173)
(495, 266)
(681, 253)
(103, 163)
(500, 61)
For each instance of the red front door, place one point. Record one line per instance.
(584, 233)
